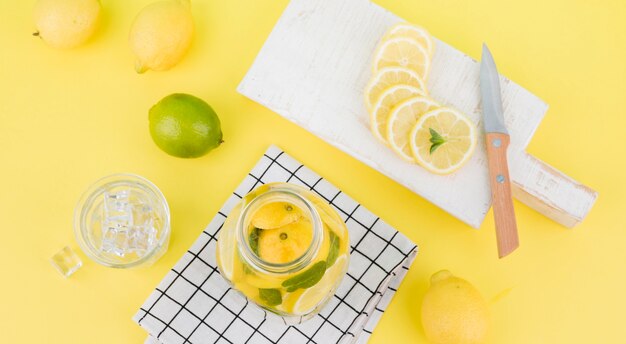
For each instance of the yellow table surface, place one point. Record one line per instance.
(68, 118)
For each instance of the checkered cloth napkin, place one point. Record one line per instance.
(194, 304)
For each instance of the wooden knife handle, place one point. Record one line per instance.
(504, 214)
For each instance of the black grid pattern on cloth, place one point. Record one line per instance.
(194, 304)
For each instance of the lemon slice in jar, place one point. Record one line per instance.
(275, 215)
(311, 297)
(285, 244)
(225, 253)
(226, 250)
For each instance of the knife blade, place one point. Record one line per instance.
(497, 140)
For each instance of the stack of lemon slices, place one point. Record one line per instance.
(403, 116)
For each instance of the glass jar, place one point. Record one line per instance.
(122, 221)
(284, 248)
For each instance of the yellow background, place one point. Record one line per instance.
(68, 118)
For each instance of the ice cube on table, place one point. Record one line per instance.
(66, 262)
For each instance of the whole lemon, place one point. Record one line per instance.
(161, 35)
(66, 24)
(184, 126)
(453, 311)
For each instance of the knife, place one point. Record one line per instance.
(497, 139)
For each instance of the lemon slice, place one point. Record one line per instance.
(265, 281)
(275, 215)
(390, 76)
(402, 119)
(285, 244)
(387, 100)
(453, 134)
(225, 252)
(414, 32)
(312, 297)
(403, 52)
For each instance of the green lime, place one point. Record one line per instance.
(184, 126)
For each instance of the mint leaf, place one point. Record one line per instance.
(436, 139)
(253, 239)
(434, 147)
(247, 270)
(271, 297)
(333, 251)
(306, 279)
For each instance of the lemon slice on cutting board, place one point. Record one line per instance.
(414, 32)
(401, 121)
(443, 140)
(388, 77)
(384, 105)
(403, 52)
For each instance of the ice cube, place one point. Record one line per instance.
(66, 262)
(128, 223)
(143, 238)
(142, 214)
(117, 210)
(116, 240)
(118, 201)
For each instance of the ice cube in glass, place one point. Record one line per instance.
(116, 240)
(118, 208)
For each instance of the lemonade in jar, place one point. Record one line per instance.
(284, 248)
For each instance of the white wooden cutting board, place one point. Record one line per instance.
(315, 65)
